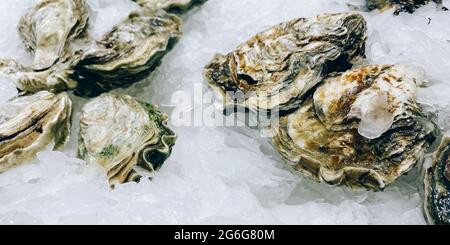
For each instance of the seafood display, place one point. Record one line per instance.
(275, 69)
(120, 134)
(436, 191)
(31, 123)
(128, 53)
(362, 129)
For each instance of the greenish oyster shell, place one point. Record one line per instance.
(322, 138)
(122, 134)
(32, 123)
(275, 69)
(49, 27)
(401, 5)
(436, 205)
(128, 53)
(169, 5)
(57, 78)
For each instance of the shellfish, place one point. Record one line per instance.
(31, 123)
(169, 5)
(276, 68)
(122, 134)
(401, 5)
(362, 128)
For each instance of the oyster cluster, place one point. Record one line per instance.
(408, 6)
(359, 127)
(125, 136)
(436, 191)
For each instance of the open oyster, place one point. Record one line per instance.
(58, 78)
(437, 187)
(128, 53)
(278, 67)
(48, 28)
(31, 123)
(401, 5)
(362, 128)
(121, 134)
(169, 5)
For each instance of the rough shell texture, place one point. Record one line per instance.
(333, 152)
(169, 5)
(48, 28)
(437, 187)
(58, 78)
(121, 134)
(276, 68)
(401, 5)
(128, 53)
(31, 123)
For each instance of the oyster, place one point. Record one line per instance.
(401, 5)
(169, 5)
(31, 123)
(48, 28)
(278, 67)
(437, 187)
(362, 128)
(120, 134)
(128, 53)
(58, 78)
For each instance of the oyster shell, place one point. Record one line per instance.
(276, 68)
(325, 138)
(58, 78)
(401, 5)
(31, 123)
(128, 53)
(169, 5)
(120, 134)
(437, 187)
(48, 28)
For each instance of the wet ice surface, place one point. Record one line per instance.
(220, 175)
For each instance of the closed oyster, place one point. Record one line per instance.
(437, 187)
(32, 123)
(278, 67)
(128, 53)
(362, 128)
(48, 28)
(120, 134)
(169, 5)
(401, 5)
(58, 78)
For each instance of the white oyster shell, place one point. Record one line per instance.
(323, 142)
(32, 123)
(276, 68)
(48, 28)
(120, 134)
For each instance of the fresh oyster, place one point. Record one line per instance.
(169, 5)
(48, 28)
(120, 134)
(401, 5)
(31, 123)
(128, 53)
(278, 67)
(437, 187)
(362, 128)
(58, 78)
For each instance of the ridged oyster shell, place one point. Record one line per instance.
(32, 123)
(321, 138)
(49, 27)
(437, 187)
(128, 53)
(120, 134)
(276, 68)
(169, 5)
(401, 5)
